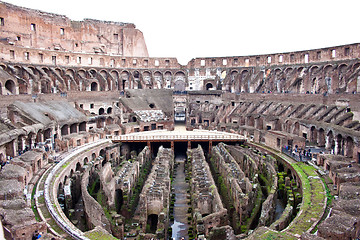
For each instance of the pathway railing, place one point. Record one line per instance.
(176, 137)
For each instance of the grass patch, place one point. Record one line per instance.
(98, 235)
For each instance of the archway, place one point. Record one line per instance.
(78, 167)
(109, 110)
(45, 87)
(94, 86)
(313, 135)
(152, 222)
(10, 86)
(82, 127)
(73, 128)
(65, 130)
(209, 86)
(321, 138)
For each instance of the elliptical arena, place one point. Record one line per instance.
(100, 141)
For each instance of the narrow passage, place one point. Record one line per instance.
(180, 225)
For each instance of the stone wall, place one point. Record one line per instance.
(209, 211)
(23, 27)
(155, 195)
(94, 212)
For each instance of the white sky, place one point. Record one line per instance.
(187, 29)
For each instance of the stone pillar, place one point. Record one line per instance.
(327, 142)
(30, 86)
(11, 148)
(336, 149)
(21, 140)
(149, 145)
(33, 140)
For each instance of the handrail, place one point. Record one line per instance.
(75, 233)
(217, 136)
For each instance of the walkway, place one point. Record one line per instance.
(180, 226)
(179, 135)
(314, 195)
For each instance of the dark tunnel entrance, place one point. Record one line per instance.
(152, 222)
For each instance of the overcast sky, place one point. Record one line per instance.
(188, 29)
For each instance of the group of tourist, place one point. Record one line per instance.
(298, 153)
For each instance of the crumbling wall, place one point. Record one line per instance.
(94, 212)
(155, 196)
(209, 211)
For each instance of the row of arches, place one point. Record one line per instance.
(327, 78)
(338, 142)
(37, 79)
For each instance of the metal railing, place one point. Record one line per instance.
(51, 205)
(176, 137)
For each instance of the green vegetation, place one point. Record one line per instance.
(33, 206)
(313, 193)
(225, 195)
(134, 199)
(99, 235)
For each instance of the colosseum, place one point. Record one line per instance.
(98, 140)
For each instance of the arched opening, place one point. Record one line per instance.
(22, 86)
(73, 128)
(82, 127)
(45, 87)
(94, 86)
(101, 111)
(152, 222)
(119, 200)
(133, 119)
(78, 167)
(109, 110)
(209, 86)
(313, 135)
(93, 156)
(102, 153)
(158, 80)
(39, 136)
(10, 87)
(47, 133)
(321, 138)
(86, 161)
(65, 130)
